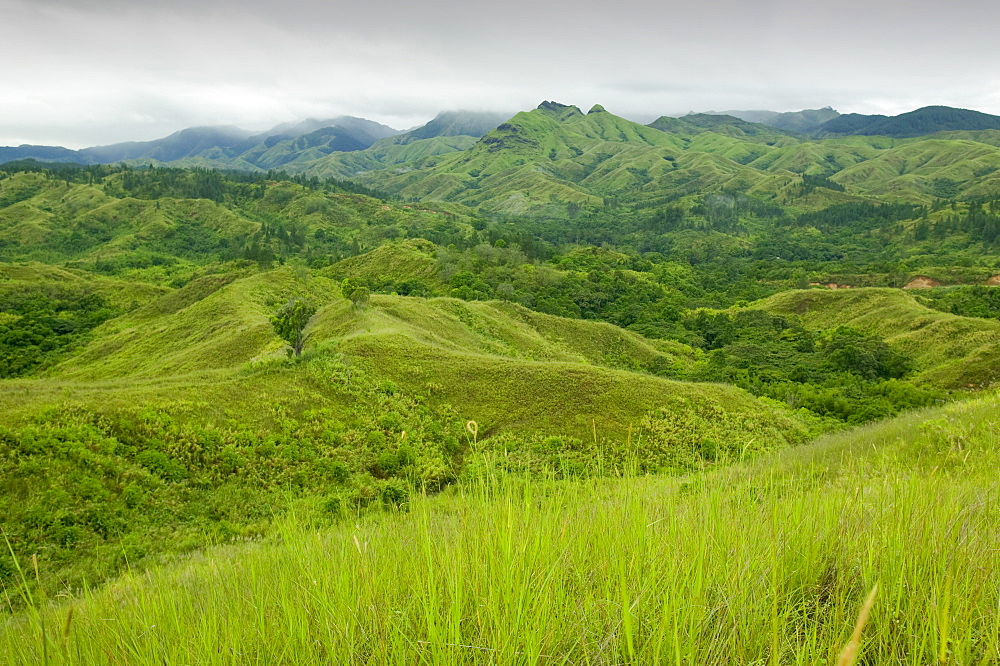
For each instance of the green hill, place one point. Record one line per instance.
(164, 225)
(697, 123)
(480, 357)
(951, 351)
(555, 161)
(412, 262)
(182, 422)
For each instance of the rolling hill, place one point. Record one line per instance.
(951, 351)
(184, 416)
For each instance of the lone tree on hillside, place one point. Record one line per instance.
(290, 323)
(354, 291)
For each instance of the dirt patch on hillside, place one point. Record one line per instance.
(921, 282)
(994, 281)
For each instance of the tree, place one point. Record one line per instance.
(354, 291)
(290, 323)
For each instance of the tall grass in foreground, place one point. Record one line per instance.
(768, 563)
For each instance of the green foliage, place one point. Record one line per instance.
(290, 323)
(139, 480)
(810, 182)
(40, 324)
(355, 292)
(967, 301)
(946, 351)
(838, 373)
(844, 349)
(785, 549)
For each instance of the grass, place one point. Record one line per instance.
(41, 278)
(407, 260)
(769, 562)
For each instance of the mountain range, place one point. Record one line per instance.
(557, 160)
(301, 144)
(233, 147)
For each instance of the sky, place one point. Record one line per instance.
(92, 72)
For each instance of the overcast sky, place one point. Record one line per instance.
(88, 72)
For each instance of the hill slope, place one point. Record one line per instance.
(951, 351)
(799, 540)
(183, 422)
(478, 357)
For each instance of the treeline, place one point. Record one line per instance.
(966, 301)
(155, 182)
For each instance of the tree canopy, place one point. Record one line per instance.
(290, 323)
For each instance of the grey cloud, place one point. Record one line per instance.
(136, 69)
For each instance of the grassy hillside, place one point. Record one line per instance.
(768, 562)
(478, 357)
(43, 278)
(411, 261)
(165, 225)
(182, 423)
(48, 312)
(951, 351)
(556, 160)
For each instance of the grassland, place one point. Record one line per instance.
(761, 562)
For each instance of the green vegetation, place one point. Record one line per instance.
(182, 423)
(585, 354)
(766, 562)
(47, 312)
(969, 301)
(291, 320)
(948, 351)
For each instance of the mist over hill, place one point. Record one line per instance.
(805, 121)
